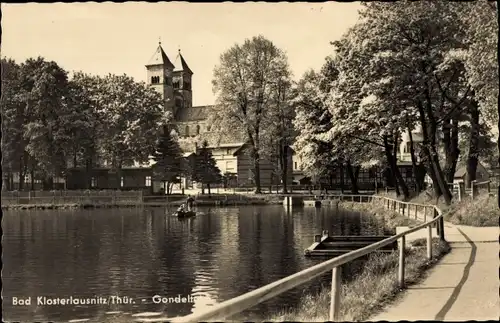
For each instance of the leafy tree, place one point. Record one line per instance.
(408, 74)
(362, 128)
(131, 114)
(246, 82)
(44, 86)
(13, 118)
(83, 122)
(278, 132)
(205, 170)
(312, 118)
(168, 158)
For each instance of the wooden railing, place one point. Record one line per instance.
(236, 305)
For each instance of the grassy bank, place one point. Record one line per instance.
(391, 219)
(375, 286)
(481, 212)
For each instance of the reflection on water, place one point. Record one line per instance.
(138, 253)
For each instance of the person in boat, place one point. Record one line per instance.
(182, 208)
(189, 203)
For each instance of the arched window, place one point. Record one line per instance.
(155, 79)
(186, 131)
(197, 129)
(179, 103)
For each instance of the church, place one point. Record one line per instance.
(173, 80)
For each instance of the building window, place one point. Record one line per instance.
(121, 182)
(155, 79)
(93, 182)
(186, 131)
(197, 129)
(176, 85)
(187, 86)
(228, 151)
(148, 181)
(208, 128)
(295, 165)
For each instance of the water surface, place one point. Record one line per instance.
(139, 252)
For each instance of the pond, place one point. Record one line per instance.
(119, 259)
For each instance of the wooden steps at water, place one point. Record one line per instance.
(326, 245)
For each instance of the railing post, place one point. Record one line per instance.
(425, 213)
(429, 242)
(335, 296)
(401, 272)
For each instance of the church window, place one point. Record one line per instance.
(178, 102)
(197, 129)
(186, 131)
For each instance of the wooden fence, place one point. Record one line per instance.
(477, 188)
(237, 305)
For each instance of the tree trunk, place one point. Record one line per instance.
(88, 179)
(32, 179)
(429, 143)
(284, 166)
(341, 178)
(6, 181)
(256, 169)
(416, 177)
(397, 177)
(353, 178)
(450, 140)
(472, 158)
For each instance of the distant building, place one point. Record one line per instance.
(482, 174)
(405, 145)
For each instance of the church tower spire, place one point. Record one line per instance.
(182, 83)
(159, 75)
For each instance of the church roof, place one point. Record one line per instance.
(181, 65)
(160, 58)
(198, 113)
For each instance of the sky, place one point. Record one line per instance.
(120, 38)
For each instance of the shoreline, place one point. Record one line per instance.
(67, 206)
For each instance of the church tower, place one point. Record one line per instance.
(159, 75)
(182, 77)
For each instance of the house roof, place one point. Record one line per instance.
(198, 113)
(181, 65)
(214, 140)
(462, 171)
(160, 58)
